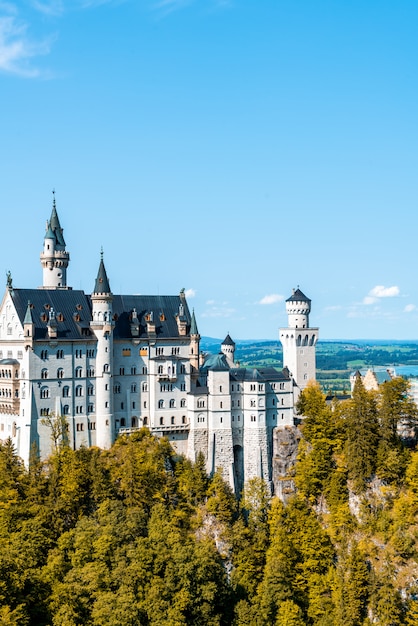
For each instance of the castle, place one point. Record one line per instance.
(112, 364)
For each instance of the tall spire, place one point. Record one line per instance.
(102, 281)
(54, 223)
(54, 257)
(28, 315)
(193, 325)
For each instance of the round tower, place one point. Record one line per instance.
(54, 257)
(102, 326)
(298, 307)
(228, 349)
(299, 340)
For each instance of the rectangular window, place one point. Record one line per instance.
(126, 352)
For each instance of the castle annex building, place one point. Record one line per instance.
(112, 364)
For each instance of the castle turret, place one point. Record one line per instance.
(29, 327)
(228, 349)
(54, 257)
(102, 325)
(299, 340)
(194, 347)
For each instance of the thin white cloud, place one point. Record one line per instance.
(384, 292)
(190, 293)
(271, 299)
(409, 308)
(16, 50)
(49, 7)
(369, 300)
(218, 311)
(380, 291)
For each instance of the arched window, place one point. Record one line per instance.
(182, 403)
(65, 391)
(160, 404)
(65, 409)
(144, 386)
(44, 392)
(160, 369)
(106, 367)
(44, 373)
(161, 421)
(133, 388)
(122, 421)
(79, 391)
(60, 373)
(78, 372)
(172, 419)
(145, 421)
(133, 422)
(172, 404)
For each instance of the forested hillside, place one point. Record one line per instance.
(139, 536)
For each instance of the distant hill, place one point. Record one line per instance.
(335, 359)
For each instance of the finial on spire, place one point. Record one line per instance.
(101, 253)
(9, 280)
(53, 199)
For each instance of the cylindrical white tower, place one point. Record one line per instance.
(299, 340)
(228, 349)
(54, 257)
(102, 325)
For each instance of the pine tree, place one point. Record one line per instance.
(361, 432)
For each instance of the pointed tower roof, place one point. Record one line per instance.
(228, 341)
(298, 296)
(49, 233)
(193, 325)
(102, 281)
(28, 315)
(55, 225)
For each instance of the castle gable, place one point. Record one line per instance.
(11, 325)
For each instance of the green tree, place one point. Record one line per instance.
(362, 434)
(289, 614)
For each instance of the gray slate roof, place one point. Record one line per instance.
(76, 312)
(298, 296)
(102, 282)
(228, 341)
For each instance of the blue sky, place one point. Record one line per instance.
(234, 148)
